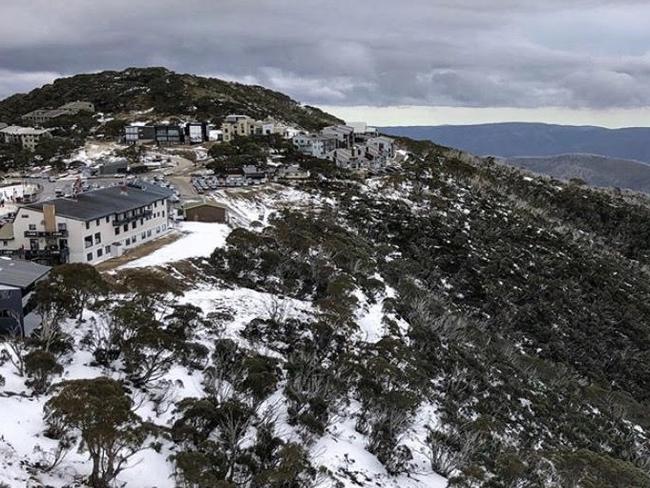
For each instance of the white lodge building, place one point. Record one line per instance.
(93, 226)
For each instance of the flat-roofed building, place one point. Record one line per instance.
(139, 134)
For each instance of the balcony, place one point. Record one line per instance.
(44, 233)
(126, 220)
(60, 255)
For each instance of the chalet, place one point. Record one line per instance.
(17, 282)
(205, 212)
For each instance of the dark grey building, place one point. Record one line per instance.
(17, 282)
(114, 167)
(169, 135)
(134, 134)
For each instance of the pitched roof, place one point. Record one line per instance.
(191, 205)
(106, 201)
(15, 272)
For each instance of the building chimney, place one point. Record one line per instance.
(49, 217)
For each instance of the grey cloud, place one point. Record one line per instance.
(472, 53)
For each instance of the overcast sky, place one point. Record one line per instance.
(441, 61)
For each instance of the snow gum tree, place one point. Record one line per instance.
(101, 413)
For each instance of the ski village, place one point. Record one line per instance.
(206, 284)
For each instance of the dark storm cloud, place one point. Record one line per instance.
(474, 53)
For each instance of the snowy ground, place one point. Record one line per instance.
(199, 240)
(342, 449)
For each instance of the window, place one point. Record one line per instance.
(158, 230)
(98, 237)
(117, 231)
(88, 241)
(107, 217)
(100, 252)
(133, 239)
(126, 227)
(32, 226)
(107, 249)
(149, 233)
(141, 221)
(97, 222)
(134, 224)
(127, 242)
(87, 225)
(143, 235)
(63, 226)
(89, 256)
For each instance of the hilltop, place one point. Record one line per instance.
(163, 93)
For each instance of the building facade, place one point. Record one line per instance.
(139, 134)
(317, 146)
(27, 137)
(237, 126)
(92, 226)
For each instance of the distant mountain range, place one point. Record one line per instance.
(532, 139)
(593, 169)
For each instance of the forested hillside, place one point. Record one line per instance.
(456, 323)
(167, 94)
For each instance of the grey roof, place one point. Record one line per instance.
(15, 272)
(106, 201)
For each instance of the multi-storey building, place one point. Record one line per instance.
(139, 134)
(196, 132)
(343, 134)
(237, 126)
(317, 146)
(90, 227)
(41, 116)
(27, 137)
(169, 135)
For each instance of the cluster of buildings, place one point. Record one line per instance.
(249, 175)
(167, 134)
(42, 116)
(29, 137)
(244, 126)
(199, 132)
(354, 147)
